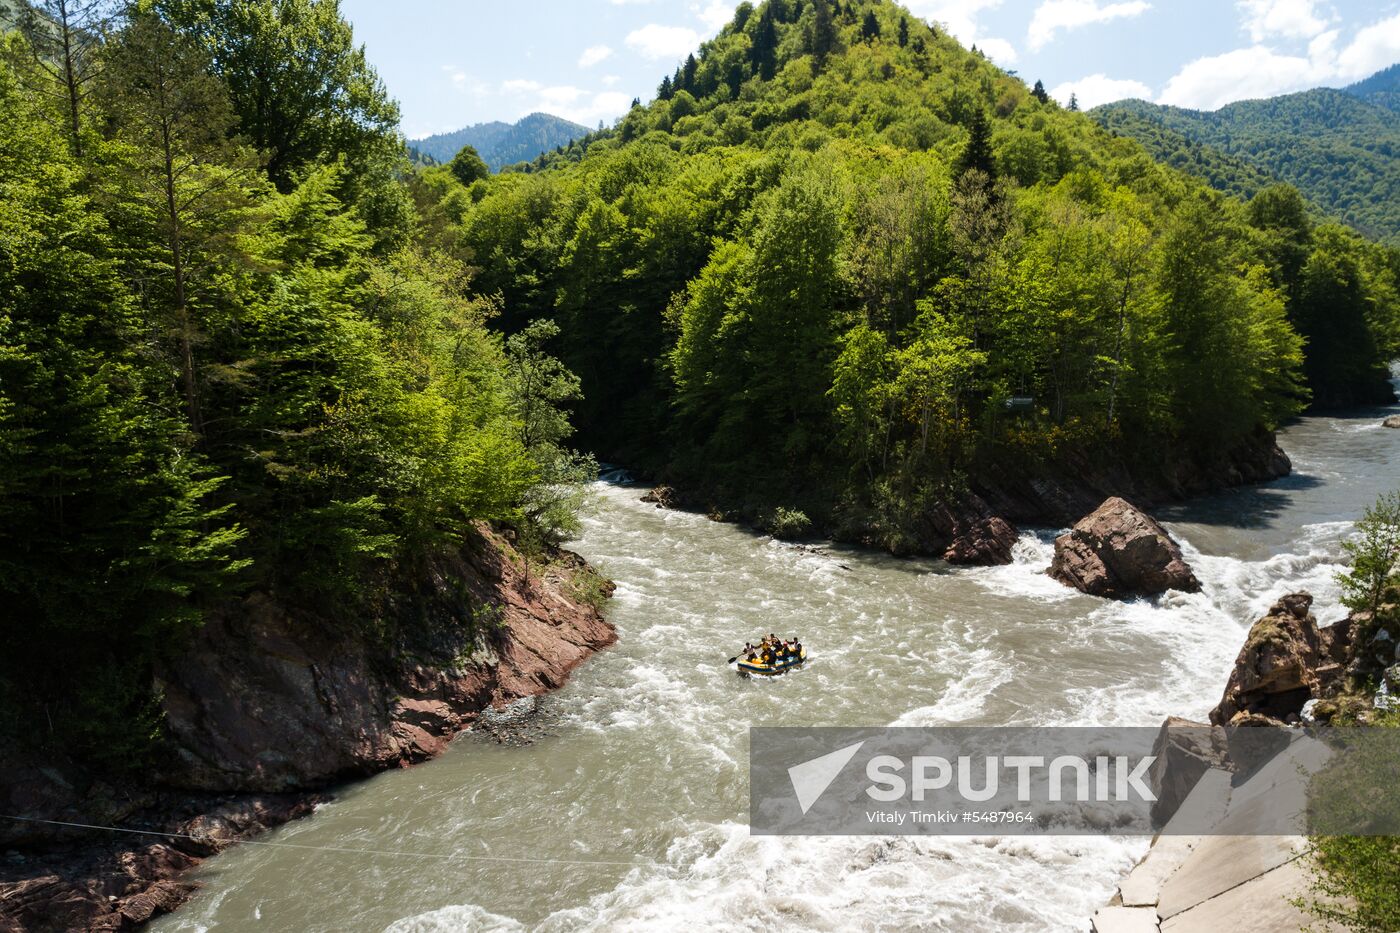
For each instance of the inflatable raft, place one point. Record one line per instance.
(780, 666)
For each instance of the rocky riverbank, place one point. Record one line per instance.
(268, 709)
(1289, 671)
(979, 526)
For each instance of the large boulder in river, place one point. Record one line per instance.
(1120, 551)
(1392, 422)
(1286, 661)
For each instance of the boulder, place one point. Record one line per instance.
(1184, 752)
(663, 497)
(984, 542)
(1392, 422)
(1119, 551)
(1286, 661)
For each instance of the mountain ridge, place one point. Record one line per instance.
(499, 143)
(1339, 147)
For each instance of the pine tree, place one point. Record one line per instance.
(1073, 102)
(823, 37)
(903, 31)
(64, 38)
(765, 44)
(977, 153)
(688, 73)
(870, 27)
(666, 89)
(1039, 93)
(177, 120)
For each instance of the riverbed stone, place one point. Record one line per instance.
(1392, 422)
(1119, 551)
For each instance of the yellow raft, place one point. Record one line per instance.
(780, 666)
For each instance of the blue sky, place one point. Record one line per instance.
(455, 62)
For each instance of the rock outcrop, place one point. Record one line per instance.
(270, 705)
(972, 536)
(1392, 422)
(273, 700)
(663, 497)
(1119, 551)
(1184, 752)
(1286, 661)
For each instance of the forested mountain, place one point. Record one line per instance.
(1341, 149)
(1233, 175)
(843, 269)
(231, 359)
(501, 144)
(1381, 89)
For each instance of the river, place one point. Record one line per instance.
(630, 812)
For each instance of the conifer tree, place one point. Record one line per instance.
(64, 38)
(870, 27)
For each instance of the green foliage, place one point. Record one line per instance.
(1355, 880)
(787, 524)
(304, 95)
(219, 375)
(1374, 555)
(466, 166)
(811, 273)
(540, 387)
(1337, 147)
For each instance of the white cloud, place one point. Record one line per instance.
(716, 14)
(958, 17)
(1055, 15)
(465, 83)
(1284, 19)
(1212, 82)
(656, 42)
(1098, 89)
(1375, 47)
(609, 80)
(1259, 71)
(593, 55)
(558, 97)
(586, 109)
(998, 50)
(520, 86)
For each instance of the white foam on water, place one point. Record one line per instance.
(662, 717)
(466, 918)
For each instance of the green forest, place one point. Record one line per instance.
(231, 355)
(833, 276)
(1340, 148)
(841, 269)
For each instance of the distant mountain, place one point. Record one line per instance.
(501, 144)
(1381, 89)
(1338, 147)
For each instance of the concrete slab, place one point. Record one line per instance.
(1124, 920)
(1219, 863)
(1274, 798)
(1257, 906)
(1204, 806)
